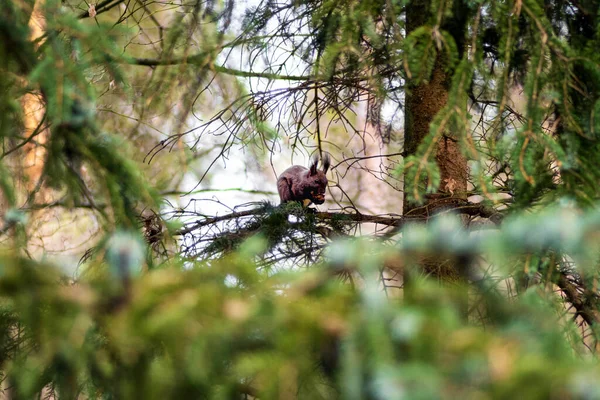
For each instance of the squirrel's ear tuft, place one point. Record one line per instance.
(313, 164)
(326, 163)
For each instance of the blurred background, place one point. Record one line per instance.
(144, 252)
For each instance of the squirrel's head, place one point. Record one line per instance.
(316, 181)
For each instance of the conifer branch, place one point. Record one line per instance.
(101, 7)
(585, 308)
(388, 220)
(200, 58)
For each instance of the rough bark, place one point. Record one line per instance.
(423, 101)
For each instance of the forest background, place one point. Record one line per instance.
(144, 252)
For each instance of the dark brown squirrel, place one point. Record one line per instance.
(298, 183)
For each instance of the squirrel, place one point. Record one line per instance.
(307, 185)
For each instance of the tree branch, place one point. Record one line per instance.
(390, 220)
(584, 307)
(200, 58)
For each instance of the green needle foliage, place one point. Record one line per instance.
(119, 101)
(227, 330)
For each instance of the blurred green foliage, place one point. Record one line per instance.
(224, 329)
(132, 325)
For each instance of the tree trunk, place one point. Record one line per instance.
(423, 101)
